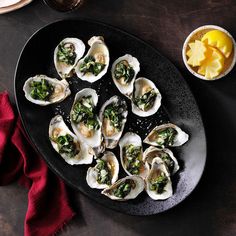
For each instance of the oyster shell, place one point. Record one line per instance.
(66, 55)
(106, 167)
(125, 189)
(158, 183)
(165, 154)
(112, 129)
(131, 155)
(95, 63)
(166, 135)
(71, 149)
(146, 98)
(84, 122)
(124, 71)
(43, 90)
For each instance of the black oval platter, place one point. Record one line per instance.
(178, 106)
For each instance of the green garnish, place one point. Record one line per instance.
(124, 71)
(133, 156)
(41, 90)
(165, 137)
(159, 183)
(124, 188)
(146, 101)
(114, 113)
(66, 53)
(89, 65)
(83, 111)
(66, 145)
(104, 172)
(168, 161)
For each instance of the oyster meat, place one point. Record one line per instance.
(71, 149)
(165, 154)
(125, 189)
(131, 155)
(166, 135)
(66, 55)
(124, 71)
(158, 183)
(146, 98)
(95, 63)
(113, 117)
(43, 90)
(105, 172)
(84, 122)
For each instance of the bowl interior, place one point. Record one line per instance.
(197, 34)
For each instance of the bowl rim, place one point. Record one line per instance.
(204, 27)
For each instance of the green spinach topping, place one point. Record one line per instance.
(104, 172)
(41, 90)
(83, 111)
(89, 65)
(124, 188)
(133, 156)
(158, 184)
(124, 71)
(66, 145)
(165, 137)
(168, 161)
(114, 113)
(66, 53)
(146, 101)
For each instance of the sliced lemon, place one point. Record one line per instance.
(219, 40)
(213, 65)
(196, 53)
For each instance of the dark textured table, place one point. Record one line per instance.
(211, 208)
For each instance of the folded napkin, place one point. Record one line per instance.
(48, 208)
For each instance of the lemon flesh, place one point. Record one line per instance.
(213, 65)
(219, 40)
(196, 53)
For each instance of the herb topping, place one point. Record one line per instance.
(158, 184)
(104, 172)
(66, 145)
(89, 65)
(168, 161)
(165, 137)
(114, 113)
(123, 71)
(83, 111)
(146, 101)
(66, 53)
(41, 90)
(124, 188)
(133, 158)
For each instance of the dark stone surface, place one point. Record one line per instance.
(211, 209)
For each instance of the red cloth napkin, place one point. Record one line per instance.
(48, 208)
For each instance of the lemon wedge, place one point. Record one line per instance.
(213, 65)
(219, 40)
(196, 53)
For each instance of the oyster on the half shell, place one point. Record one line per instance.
(113, 117)
(125, 189)
(95, 63)
(43, 90)
(131, 155)
(146, 98)
(124, 71)
(104, 173)
(166, 135)
(71, 149)
(66, 55)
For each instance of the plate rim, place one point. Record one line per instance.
(55, 171)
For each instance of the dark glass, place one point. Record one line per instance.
(64, 5)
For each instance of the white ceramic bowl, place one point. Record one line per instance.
(208, 28)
